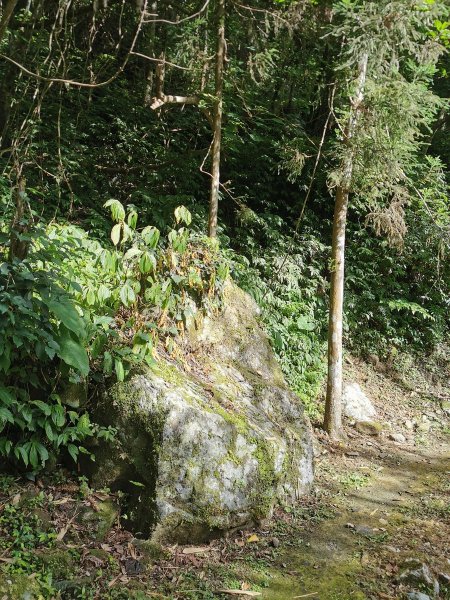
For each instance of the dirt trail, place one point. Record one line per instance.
(398, 513)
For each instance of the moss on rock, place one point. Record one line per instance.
(201, 451)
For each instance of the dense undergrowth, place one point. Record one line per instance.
(90, 302)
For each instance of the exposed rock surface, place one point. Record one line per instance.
(211, 446)
(356, 404)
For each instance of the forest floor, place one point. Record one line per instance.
(376, 525)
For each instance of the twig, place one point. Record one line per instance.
(190, 17)
(82, 84)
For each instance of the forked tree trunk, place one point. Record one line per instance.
(217, 120)
(333, 405)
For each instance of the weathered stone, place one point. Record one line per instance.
(99, 520)
(75, 394)
(417, 596)
(416, 573)
(356, 404)
(369, 427)
(409, 425)
(424, 427)
(212, 449)
(397, 437)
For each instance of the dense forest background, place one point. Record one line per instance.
(116, 102)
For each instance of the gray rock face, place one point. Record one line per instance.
(417, 596)
(356, 404)
(418, 574)
(212, 448)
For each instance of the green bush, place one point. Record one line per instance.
(73, 309)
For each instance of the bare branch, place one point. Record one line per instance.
(159, 101)
(81, 84)
(189, 18)
(159, 60)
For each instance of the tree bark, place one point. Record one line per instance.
(217, 120)
(333, 404)
(6, 16)
(18, 248)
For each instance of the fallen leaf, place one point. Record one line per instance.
(253, 538)
(196, 550)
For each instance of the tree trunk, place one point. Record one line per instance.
(150, 52)
(217, 120)
(6, 16)
(333, 405)
(18, 248)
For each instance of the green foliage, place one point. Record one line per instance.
(73, 308)
(286, 279)
(23, 535)
(43, 338)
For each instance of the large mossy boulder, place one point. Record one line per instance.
(212, 444)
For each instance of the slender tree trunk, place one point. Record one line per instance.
(333, 405)
(18, 248)
(6, 16)
(217, 120)
(150, 52)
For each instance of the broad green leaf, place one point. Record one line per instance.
(117, 209)
(73, 451)
(120, 372)
(6, 415)
(6, 396)
(58, 415)
(115, 233)
(127, 295)
(68, 315)
(45, 408)
(182, 214)
(147, 262)
(74, 354)
(151, 236)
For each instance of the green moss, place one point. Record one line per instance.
(265, 487)
(19, 587)
(100, 521)
(61, 563)
(233, 418)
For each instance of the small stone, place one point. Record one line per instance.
(418, 574)
(417, 596)
(275, 542)
(369, 427)
(397, 437)
(446, 406)
(364, 530)
(133, 566)
(357, 406)
(424, 427)
(409, 425)
(393, 549)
